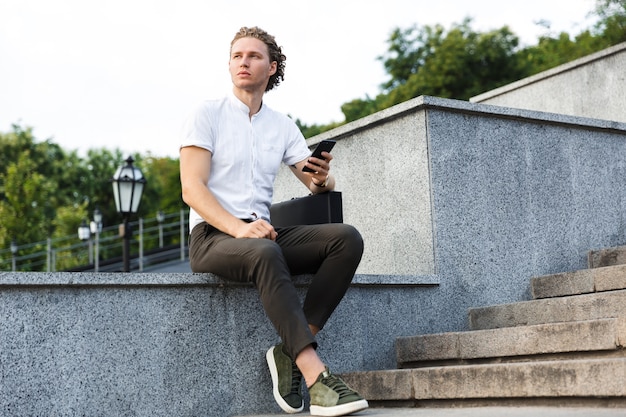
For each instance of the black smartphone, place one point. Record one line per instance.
(323, 146)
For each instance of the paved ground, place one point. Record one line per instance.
(178, 266)
(169, 267)
(482, 412)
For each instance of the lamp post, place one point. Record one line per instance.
(96, 228)
(128, 183)
(160, 216)
(84, 234)
(13, 253)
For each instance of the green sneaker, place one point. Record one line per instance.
(330, 396)
(286, 380)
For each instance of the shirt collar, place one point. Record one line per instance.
(243, 106)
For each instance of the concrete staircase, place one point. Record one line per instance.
(566, 347)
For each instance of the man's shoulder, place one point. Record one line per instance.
(277, 115)
(213, 103)
(213, 108)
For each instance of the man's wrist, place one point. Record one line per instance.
(323, 184)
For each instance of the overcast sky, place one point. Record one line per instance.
(125, 73)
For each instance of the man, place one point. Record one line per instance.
(230, 154)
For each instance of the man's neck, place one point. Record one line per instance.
(252, 99)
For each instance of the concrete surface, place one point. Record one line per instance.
(571, 337)
(462, 205)
(550, 310)
(481, 412)
(592, 86)
(579, 282)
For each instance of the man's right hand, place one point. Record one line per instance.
(258, 229)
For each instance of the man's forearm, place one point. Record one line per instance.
(324, 187)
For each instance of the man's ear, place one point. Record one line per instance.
(273, 67)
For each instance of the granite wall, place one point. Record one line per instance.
(460, 205)
(593, 86)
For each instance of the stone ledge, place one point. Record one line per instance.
(82, 279)
(552, 72)
(607, 278)
(489, 110)
(607, 257)
(550, 310)
(513, 343)
(170, 344)
(576, 378)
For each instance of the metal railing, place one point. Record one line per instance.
(152, 242)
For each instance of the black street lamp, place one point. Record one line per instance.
(83, 231)
(96, 228)
(160, 216)
(13, 253)
(84, 234)
(128, 183)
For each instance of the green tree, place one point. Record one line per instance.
(68, 219)
(25, 208)
(612, 23)
(408, 50)
(101, 165)
(552, 50)
(458, 63)
(359, 108)
(46, 191)
(163, 191)
(315, 129)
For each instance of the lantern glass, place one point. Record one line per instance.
(83, 231)
(128, 183)
(97, 216)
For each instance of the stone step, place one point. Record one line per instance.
(606, 257)
(563, 379)
(611, 304)
(579, 282)
(525, 410)
(577, 339)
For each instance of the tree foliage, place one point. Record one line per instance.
(46, 191)
(612, 23)
(458, 63)
(556, 49)
(461, 62)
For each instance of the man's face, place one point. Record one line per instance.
(249, 65)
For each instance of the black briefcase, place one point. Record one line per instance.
(312, 209)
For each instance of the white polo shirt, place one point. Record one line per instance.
(246, 153)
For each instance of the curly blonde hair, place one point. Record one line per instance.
(275, 51)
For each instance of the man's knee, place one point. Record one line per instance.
(350, 237)
(265, 258)
(264, 250)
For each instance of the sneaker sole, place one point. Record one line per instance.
(339, 410)
(271, 363)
